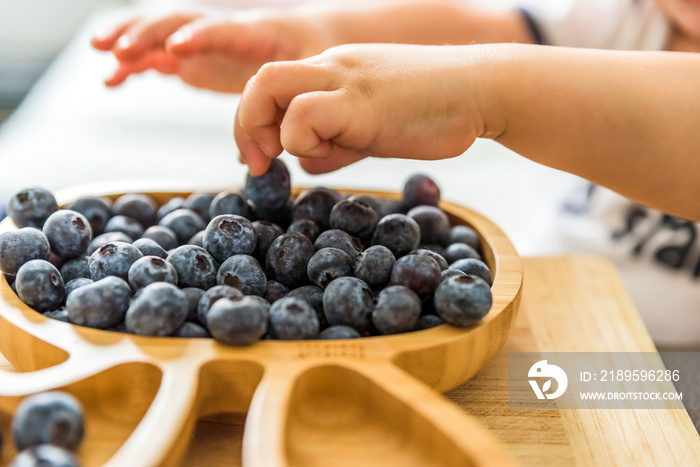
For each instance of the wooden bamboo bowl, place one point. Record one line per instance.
(366, 401)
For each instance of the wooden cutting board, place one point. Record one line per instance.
(570, 304)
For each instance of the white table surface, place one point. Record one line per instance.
(72, 130)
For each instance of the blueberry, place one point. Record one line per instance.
(463, 301)
(374, 266)
(56, 260)
(45, 455)
(244, 273)
(75, 268)
(316, 204)
(137, 206)
(211, 296)
(192, 296)
(354, 217)
(189, 329)
(288, 257)
(262, 302)
(270, 190)
(293, 319)
(382, 207)
(173, 204)
(107, 200)
(149, 247)
(19, 246)
(197, 239)
(442, 262)
(75, 284)
(101, 304)
(397, 232)
(371, 201)
(113, 259)
(39, 285)
(105, 238)
(434, 247)
(240, 322)
(339, 239)
(158, 310)
(305, 227)
(229, 202)
(349, 301)
(280, 216)
(95, 210)
(150, 269)
(474, 267)
(433, 222)
(53, 417)
(427, 322)
(419, 273)
(312, 295)
(194, 265)
(199, 203)
(420, 190)
(328, 264)
(339, 332)
(126, 225)
(391, 206)
(451, 272)
(265, 233)
(274, 291)
(59, 315)
(397, 310)
(184, 222)
(163, 236)
(68, 232)
(229, 235)
(464, 234)
(457, 251)
(31, 207)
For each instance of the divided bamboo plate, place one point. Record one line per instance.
(369, 401)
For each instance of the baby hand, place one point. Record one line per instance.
(220, 54)
(354, 101)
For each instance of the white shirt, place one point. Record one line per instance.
(599, 24)
(658, 256)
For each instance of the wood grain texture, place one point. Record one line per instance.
(577, 304)
(308, 402)
(570, 303)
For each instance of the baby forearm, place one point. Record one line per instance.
(415, 22)
(626, 120)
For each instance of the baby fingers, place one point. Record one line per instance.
(316, 123)
(206, 34)
(144, 35)
(158, 60)
(266, 98)
(106, 40)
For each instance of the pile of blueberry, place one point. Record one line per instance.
(243, 266)
(46, 429)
